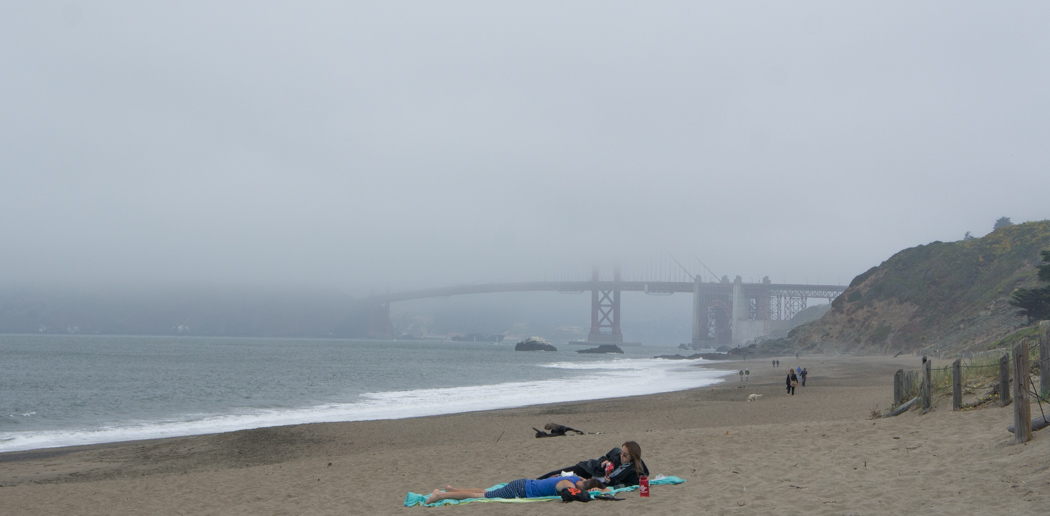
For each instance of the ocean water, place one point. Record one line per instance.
(72, 390)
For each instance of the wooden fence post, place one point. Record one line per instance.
(1022, 409)
(926, 401)
(957, 384)
(1044, 358)
(1004, 380)
(898, 387)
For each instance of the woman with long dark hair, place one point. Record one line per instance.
(792, 381)
(620, 467)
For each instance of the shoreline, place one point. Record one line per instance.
(6, 456)
(817, 452)
(465, 399)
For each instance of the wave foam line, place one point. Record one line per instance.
(613, 379)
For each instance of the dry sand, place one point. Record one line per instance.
(817, 452)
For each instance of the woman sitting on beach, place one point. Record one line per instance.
(626, 461)
(521, 488)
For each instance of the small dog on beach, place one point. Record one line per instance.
(753, 397)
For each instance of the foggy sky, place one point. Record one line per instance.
(393, 145)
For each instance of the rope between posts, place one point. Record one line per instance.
(1038, 399)
(949, 368)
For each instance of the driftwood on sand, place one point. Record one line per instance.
(903, 408)
(1038, 423)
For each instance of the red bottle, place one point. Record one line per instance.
(608, 468)
(643, 486)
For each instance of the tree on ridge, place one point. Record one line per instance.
(1035, 302)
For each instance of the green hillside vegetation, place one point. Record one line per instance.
(1035, 302)
(940, 298)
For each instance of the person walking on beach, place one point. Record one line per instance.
(741, 373)
(521, 488)
(803, 375)
(747, 374)
(792, 381)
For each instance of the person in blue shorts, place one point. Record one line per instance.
(521, 488)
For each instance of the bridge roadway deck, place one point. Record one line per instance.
(652, 287)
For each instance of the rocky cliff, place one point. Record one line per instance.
(940, 298)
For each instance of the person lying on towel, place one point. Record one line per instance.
(620, 467)
(569, 488)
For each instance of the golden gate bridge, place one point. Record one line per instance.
(724, 312)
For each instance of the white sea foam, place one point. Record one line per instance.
(603, 379)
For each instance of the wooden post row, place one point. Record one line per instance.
(926, 401)
(1022, 409)
(898, 387)
(1004, 380)
(1044, 358)
(957, 384)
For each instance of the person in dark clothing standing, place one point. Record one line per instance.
(792, 381)
(804, 374)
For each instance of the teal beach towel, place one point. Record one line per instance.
(413, 499)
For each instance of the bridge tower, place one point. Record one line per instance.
(605, 311)
(712, 313)
(740, 311)
(379, 325)
(698, 321)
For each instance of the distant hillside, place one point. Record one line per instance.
(944, 298)
(230, 312)
(804, 316)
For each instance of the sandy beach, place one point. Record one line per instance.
(818, 452)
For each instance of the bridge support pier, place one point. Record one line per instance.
(739, 314)
(379, 325)
(605, 312)
(712, 314)
(699, 335)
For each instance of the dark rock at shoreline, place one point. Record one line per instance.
(604, 348)
(534, 344)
